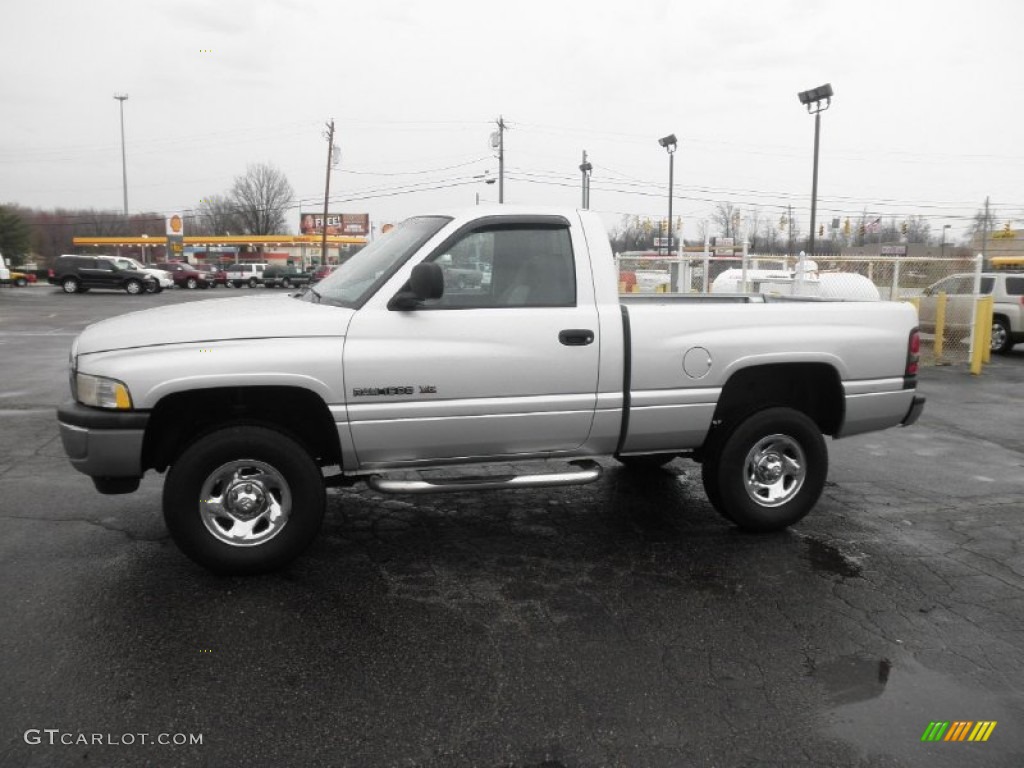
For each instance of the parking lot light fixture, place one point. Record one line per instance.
(669, 143)
(817, 100)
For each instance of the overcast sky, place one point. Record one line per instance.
(926, 119)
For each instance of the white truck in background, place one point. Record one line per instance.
(252, 406)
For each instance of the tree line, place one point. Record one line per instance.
(258, 203)
(783, 233)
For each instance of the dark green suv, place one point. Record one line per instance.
(284, 277)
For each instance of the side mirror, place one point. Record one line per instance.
(426, 282)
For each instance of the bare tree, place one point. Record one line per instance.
(984, 220)
(918, 229)
(753, 225)
(260, 199)
(726, 217)
(217, 215)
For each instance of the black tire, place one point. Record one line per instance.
(215, 467)
(253, 282)
(1002, 342)
(709, 479)
(154, 288)
(70, 285)
(134, 287)
(191, 283)
(782, 453)
(237, 283)
(286, 283)
(647, 463)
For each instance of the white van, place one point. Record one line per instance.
(5, 273)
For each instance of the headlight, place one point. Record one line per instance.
(100, 392)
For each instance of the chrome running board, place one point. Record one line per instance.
(587, 471)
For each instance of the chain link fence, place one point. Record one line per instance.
(944, 290)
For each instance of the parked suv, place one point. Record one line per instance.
(1007, 289)
(163, 277)
(185, 275)
(245, 274)
(77, 274)
(284, 277)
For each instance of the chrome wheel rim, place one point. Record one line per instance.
(133, 288)
(774, 470)
(998, 336)
(245, 503)
(70, 286)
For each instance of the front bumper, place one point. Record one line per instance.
(103, 444)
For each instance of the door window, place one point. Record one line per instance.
(520, 266)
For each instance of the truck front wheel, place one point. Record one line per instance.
(768, 472)
(244, 500)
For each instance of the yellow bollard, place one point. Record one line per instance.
(978, 335)
(940, 323)
(986, 341)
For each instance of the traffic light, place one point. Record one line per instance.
(846, 226)
(821, 230)
(903, 227)
(863, 230)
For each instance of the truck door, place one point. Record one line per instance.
(505, 363)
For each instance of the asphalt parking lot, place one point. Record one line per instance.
(618, 624)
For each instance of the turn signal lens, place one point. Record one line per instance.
(100, 392)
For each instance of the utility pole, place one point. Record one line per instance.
(789, 229)
(585, 169)
(984, 234)
(327, 189)
(122, 97)
(501, 159)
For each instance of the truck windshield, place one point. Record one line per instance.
(355, 281)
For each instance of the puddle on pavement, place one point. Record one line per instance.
(854, 678)
(883, 708)
(826, 558)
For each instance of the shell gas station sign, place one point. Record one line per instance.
(175, 236)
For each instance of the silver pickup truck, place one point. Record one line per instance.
(254, 405)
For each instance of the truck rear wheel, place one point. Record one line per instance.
(768, 472)
(244, 500)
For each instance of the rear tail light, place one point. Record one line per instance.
(913, 354)
(51, 273)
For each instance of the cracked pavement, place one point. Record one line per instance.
(622, 623)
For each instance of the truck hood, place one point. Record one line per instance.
(250, 317)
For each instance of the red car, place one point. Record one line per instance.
(214, 274)
(321, 272)
(186, 275)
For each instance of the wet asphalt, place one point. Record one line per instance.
(622, 623)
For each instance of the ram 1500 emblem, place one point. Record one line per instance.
(377, 391)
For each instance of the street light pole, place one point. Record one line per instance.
(813, 99)
(122, 97)
(669, 143)
(942, 248)
(585, 169)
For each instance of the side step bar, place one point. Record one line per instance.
(587, 471)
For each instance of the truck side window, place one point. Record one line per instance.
(513, 266)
